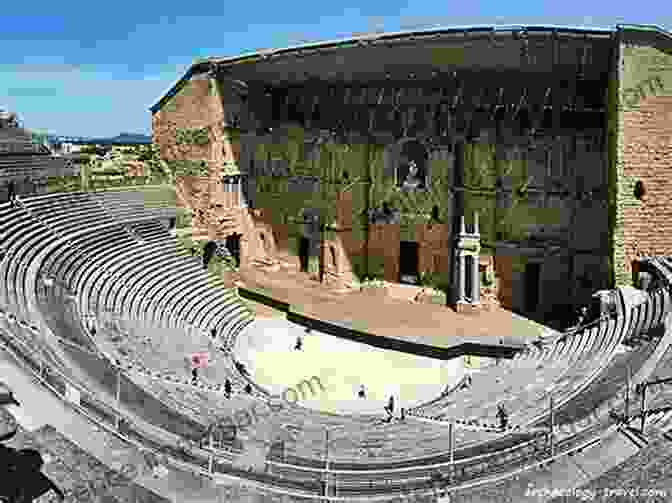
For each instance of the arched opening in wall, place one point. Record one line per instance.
(10, 190)
(334, 261)
(635, 268)
(532, 280)
(469, 277)
(233, 246)
(265, 244)
(209, 251)
(304, 251)
(408, 262)
(523, 122)
(435, 214)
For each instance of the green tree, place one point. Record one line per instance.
(89, 149)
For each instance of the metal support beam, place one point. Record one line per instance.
(627, 393)
(643, 409)
(451, 450)
(552, 427)
(118, 398)
(326, 464)
(211, 455)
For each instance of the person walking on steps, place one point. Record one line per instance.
(389, 408)
(299, 344)
(362, 391)
(194, 376)
(11, 193)
(241, 368)
(227, 388)
(502, 416)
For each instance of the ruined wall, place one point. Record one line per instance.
(520, 188)
(342, 195)
(192, 107)
(642, 146)
(198, 133)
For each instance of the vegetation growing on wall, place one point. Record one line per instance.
(197, 136)
(151, 156)
(615, 231)
(376, 265)
(480, 166)
(185, 167)
(183, 218)
(482, 172)
(382, 187)
(438, 282)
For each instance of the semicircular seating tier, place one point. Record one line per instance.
(111, 253)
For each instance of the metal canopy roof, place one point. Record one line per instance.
(206, 64)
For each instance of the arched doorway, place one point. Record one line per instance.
(232, 244)
(309, 238)
(208, 252)
(304, 253)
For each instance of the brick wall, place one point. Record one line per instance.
(644, 152)
(203, 103)
(192, 107)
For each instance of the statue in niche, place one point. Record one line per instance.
(411, 175)
(412, 180)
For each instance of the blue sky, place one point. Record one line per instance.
(81, 68)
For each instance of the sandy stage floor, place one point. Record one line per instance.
(266, 347)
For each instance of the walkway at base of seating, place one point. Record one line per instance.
(40, 407)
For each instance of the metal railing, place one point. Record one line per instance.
(58, 382)
(123, 426)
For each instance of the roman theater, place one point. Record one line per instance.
(350, 272)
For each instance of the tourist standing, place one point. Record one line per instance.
(11, 192)
(502, 416)
(389, 408)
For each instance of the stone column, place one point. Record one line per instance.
(476, 283)
(239, 190)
